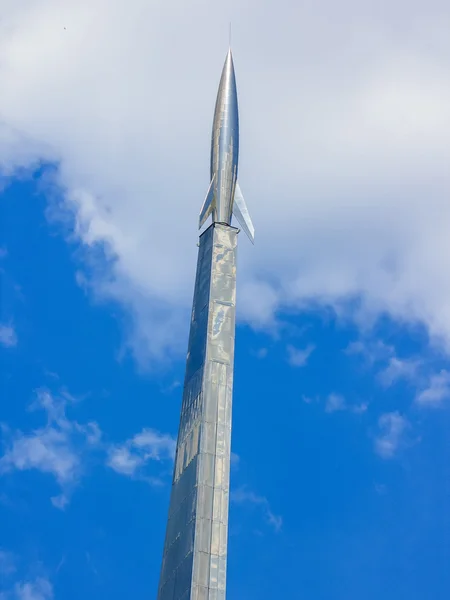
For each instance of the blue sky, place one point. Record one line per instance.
(340, 469)
(342, 377)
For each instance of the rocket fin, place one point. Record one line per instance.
(241, 213)
(207, 204)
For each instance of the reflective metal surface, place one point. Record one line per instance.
(221, 198)
(195, 549)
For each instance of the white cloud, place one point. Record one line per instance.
(399, 369)
(356, 347)
(308, 399)
(60, 501)
(437, 391)
(8, 336)
(373, 351)
(55, 449)
(243, 495)
(299, 357)
(11, 588)
(62, 447)
(334, 403)
(154, 444)
(235, 459)
(349, 198)
(7, 563)
(47, 450)
(381, 489)
(433, 388)
(91, 431)
(123, 461)
(337, 402)
(359, 409)
(276, 521)
(39, 589)
(392, 427)
(130, 458)
(172, 387)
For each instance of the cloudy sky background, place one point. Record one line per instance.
(105, 117)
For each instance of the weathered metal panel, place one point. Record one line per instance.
(195, 550)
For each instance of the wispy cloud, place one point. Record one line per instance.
(383, 356)
(62, 447)
(171, 387)
(245, 496)
(15, 587)
(433, 388)
(381, 489)
(399, 369)
(47, 450)
(39, 589)
(392, 427)
(130, 457)
(436, 391)
(7, 563)
(299, 357)
(235, 459)
(55, 449)
(373, 351)
(124, 461)
(336, 403)
(8, 336)
(359, 409)
(309, 400)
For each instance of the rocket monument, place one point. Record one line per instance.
(195, 549)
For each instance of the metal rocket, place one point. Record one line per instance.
(224, 196)
(194, 563)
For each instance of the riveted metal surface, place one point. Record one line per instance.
(194, 558)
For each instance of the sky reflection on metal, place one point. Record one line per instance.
(224, 196)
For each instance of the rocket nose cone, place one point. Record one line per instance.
(228, 68)
(229, 61)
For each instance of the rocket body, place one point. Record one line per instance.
(225, 144)
(224, 197)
